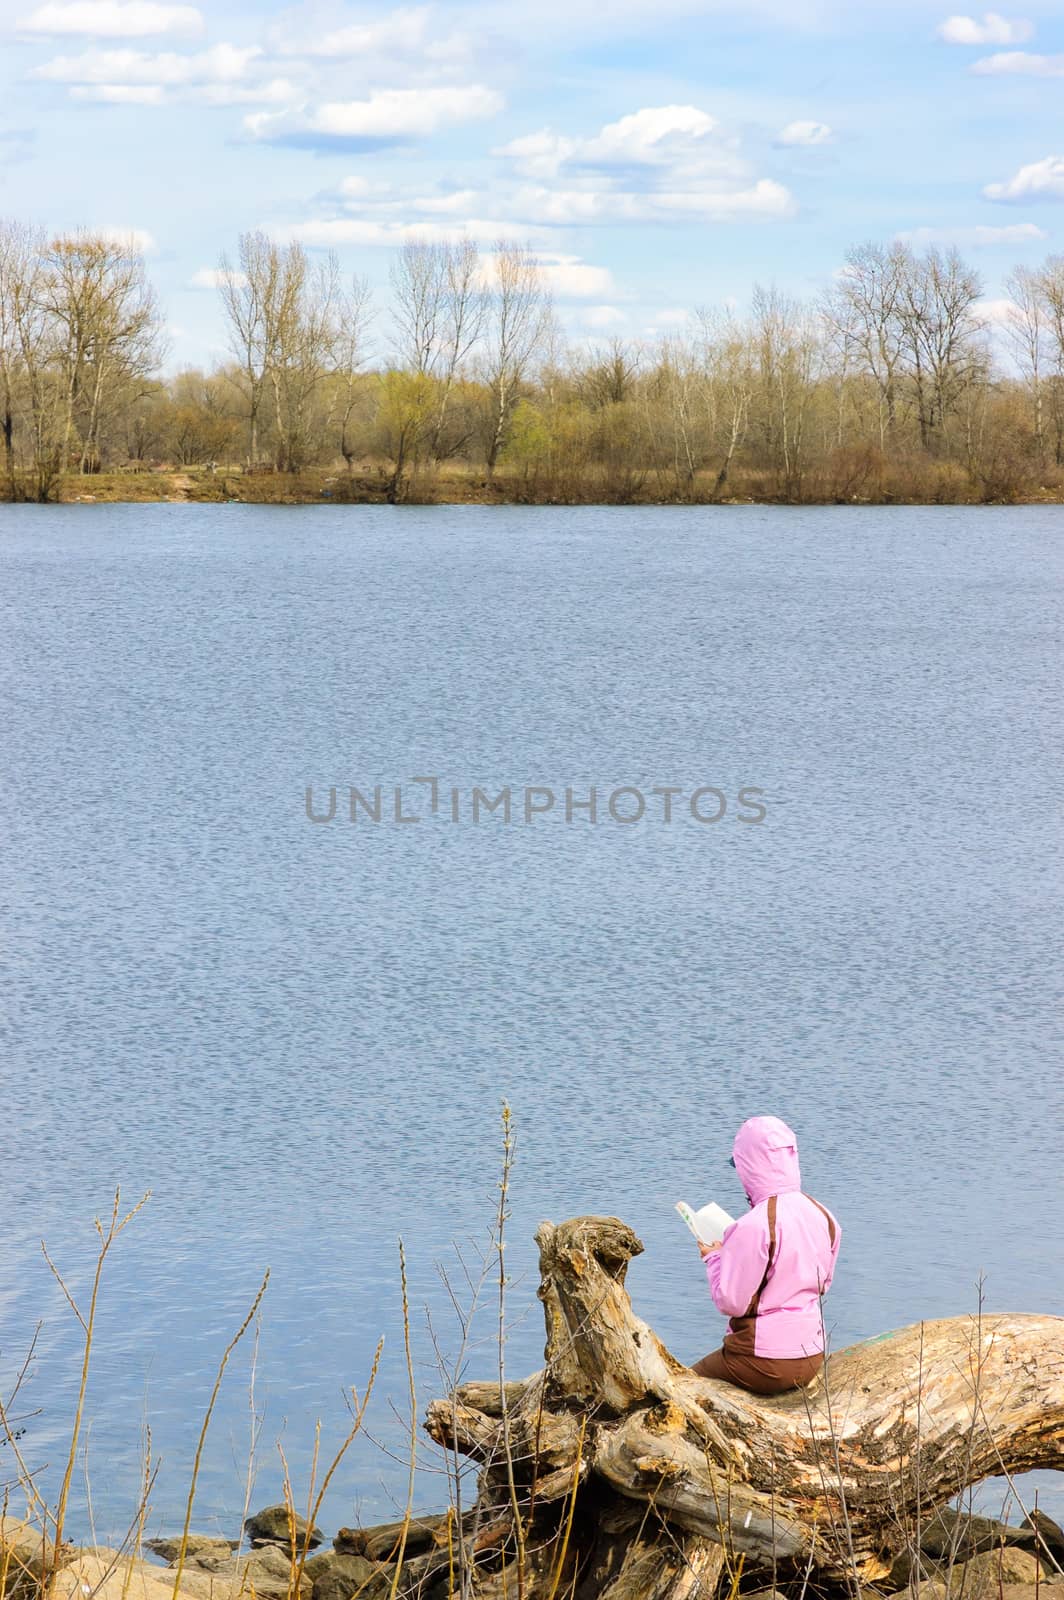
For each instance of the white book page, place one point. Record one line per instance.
(708, 1224)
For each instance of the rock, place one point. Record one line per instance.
(347, 1574)
(1006, 1591)
(106, 1574)
(274, 1526)
(1050, 1534)
(382, 1543)
(25, 1555)
(267, 1569)
(954, 1535)
(198, 1544)
(317, 1566)
(901, 1573)
(986, 1575)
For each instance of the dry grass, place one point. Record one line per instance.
(857, 475)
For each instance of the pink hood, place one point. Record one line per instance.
(765, 1153)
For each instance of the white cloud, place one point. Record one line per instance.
(567, 277)
(330, 233)
(804, 134)
(602, 316)
(656, 136)
(659, 162)
(659, 165)
(1020, 63)
(403, 30)
(978, 237)
(1039, 180)
(214, 277)
(357, 187)
(278, 91)
(570, 278)
(565, 207)
(1000, 313)
(399, 42)
(539, 155)
(592, 21)
(993, 29)
(388, 115)
(222, 63)
(220, 76)
(673, 316)
(272, 92)
(120, 94)
(374, 213)
(135, 240)
(764, 199)
(462, 200)
(112, 19)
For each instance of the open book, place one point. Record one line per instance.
(707, 1225)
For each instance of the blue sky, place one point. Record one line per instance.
(658, 154)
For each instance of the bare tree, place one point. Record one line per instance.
(787, 352)
(941, 334)
(419, 310)
(438, 318)
(353, 314)
(519, 315)
(1051, 301)
(610, 376)
(676, 391)
(20, 330)
(248, 293)
(462, 329)
(727, 362)
(106, 323)
(863, 310)
(418, 306)
(1026, 331)
(284, 331)
(304, 348)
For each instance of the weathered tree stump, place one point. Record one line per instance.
(653, 1479)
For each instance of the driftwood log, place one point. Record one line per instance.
(627, 1475)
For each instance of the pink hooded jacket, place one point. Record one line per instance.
(788, 1322)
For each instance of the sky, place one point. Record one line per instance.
(658, 155)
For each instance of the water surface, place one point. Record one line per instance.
(298, 1036)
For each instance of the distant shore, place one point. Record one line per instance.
(374, 485)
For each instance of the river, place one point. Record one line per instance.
(298, 1034)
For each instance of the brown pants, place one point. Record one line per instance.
(760, 1374)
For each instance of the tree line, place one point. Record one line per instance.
(891, 384)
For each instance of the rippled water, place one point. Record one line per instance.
(299, 1035)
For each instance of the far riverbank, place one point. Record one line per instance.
(375, 484)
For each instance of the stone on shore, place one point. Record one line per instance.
(1049, 1533)
(274, 1525)
(1003, 1574)
(107, 1574)
(215, 1574)
(382, 1543)
(25, 1555)
(954, 1535)
(337, 1576)
(197, 1544)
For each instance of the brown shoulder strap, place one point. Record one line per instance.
(751, 1310)
(829, 1219)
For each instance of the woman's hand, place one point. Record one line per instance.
(706, 1250)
